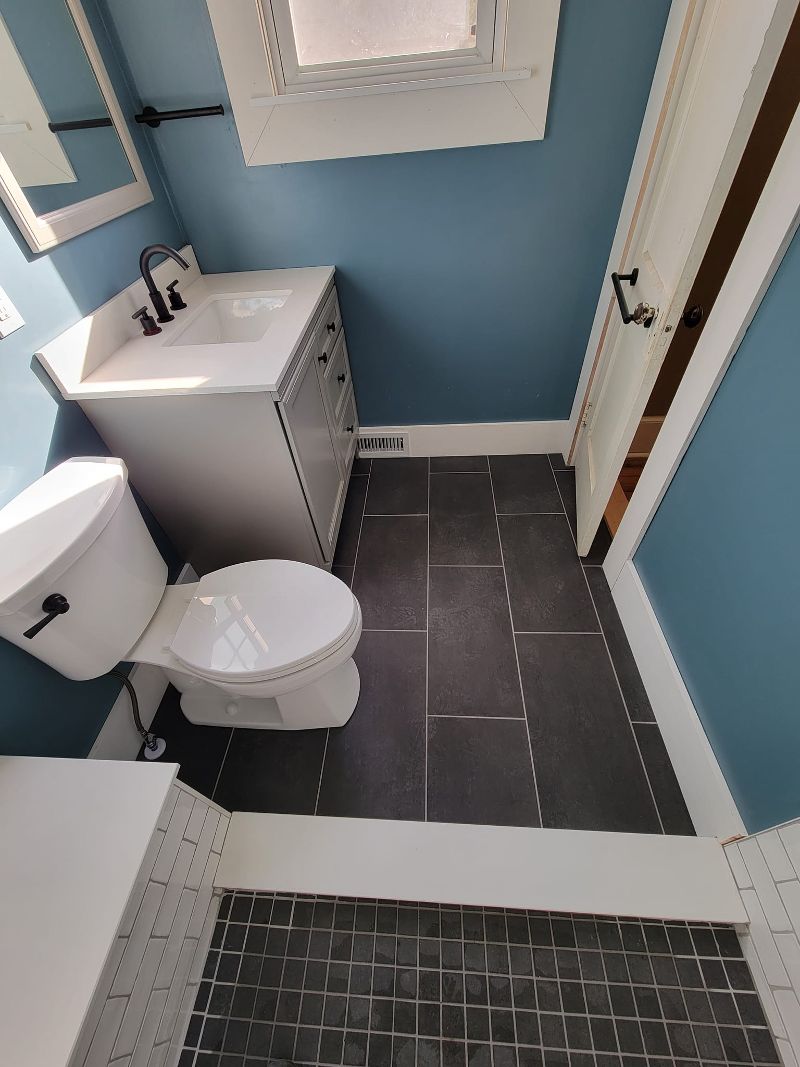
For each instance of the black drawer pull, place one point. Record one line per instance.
(341, 378)
(331, 327)
(323, 358)
(350, 429)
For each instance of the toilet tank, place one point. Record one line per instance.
(78, 533)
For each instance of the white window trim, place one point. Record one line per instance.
(289, 77)
(486, 107)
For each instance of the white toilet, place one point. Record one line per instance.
(266, 644)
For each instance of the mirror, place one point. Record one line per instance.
(67, 162)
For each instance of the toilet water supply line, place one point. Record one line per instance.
(153, 746)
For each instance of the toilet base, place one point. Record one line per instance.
(330, 701)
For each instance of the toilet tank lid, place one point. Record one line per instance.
(49, 526)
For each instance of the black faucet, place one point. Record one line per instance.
(144, 266)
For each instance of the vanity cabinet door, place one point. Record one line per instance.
(305, 419)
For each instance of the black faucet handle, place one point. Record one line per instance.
(176, 301)
(147, 322)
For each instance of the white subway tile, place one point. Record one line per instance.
(167, 810)
(790, 895)
(219, 837)
(147, 1034)
(199, 961)
(762, 985)
(137, 942)
(789, 948)
(137, 1002)
(789, 1007)
(204, 895)
(737, 866)
(177, 881)
(172, 838)
(169, 961)
(203, 851)
(182, 1021)
(106, 1033)
(158, 1056)
(790, 835)
(774, 853)
(764, 885)
(196, 820)
(176, 991)
(764, 941)
(786, 1052)
(123, 1061)
(135, 899)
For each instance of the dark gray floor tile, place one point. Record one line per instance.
(545, 580)
(566, 487)
(350, 527)
(524, 484)
(472, 667)
(557, 461)
(479, 771)
(344, 574)
(459, 464)
(391, 578)
(463, 524)
(272, 770)
(375, 763)
(630, 680)
(360, 467)
(198, 749)
(398, 487)
(669, 798)
(588, 770)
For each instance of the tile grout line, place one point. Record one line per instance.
(352, 583)
(427, 637)
(514, 642)
(613, 668)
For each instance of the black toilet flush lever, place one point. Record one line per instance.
(176, 301)
(54, 605)
(148, 323)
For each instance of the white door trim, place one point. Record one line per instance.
(708, 798)
(765, 241)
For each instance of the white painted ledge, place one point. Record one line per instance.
(647, 875)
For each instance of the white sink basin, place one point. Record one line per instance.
(231, 319)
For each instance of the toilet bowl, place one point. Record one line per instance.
(266, 644)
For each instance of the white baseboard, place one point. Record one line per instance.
(119, 738)
(708, 798)
(481, 438)
(649, 875)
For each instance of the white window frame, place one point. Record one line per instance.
(410, 105)
(289, 76)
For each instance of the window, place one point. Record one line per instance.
(370, 77)
(333, 44)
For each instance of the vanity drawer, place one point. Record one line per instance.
(347, 431)
(337, 377)
(330, 323)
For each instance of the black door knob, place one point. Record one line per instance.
(693, 316)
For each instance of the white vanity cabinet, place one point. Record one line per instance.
(240, 471)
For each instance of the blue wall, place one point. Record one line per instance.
(721, 563)
(41, 712)
(468, 278)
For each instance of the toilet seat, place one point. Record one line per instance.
(264, 620)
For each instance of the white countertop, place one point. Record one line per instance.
(73, 834)
(134, 365)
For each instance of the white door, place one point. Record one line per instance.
(719, 81)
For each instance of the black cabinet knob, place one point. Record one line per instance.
(331, 327)
(350, 429)
(341, 378)
(323, 358)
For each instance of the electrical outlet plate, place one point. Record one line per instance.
(10, 318)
